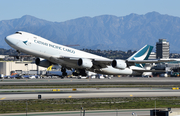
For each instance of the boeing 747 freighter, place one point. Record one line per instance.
(49, 53)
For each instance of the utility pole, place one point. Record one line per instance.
(116, 112)
(26, 107)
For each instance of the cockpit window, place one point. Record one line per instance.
(18, 33)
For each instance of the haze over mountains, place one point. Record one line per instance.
(103, 32)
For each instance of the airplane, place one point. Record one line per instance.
(49, 53)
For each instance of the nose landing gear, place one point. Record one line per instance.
(17, 57)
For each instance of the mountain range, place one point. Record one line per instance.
(105, 32)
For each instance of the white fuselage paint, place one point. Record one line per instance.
(40, 47)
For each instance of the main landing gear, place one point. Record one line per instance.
(63, 70)
(80, 72)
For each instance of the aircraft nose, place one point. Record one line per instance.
(10, 40)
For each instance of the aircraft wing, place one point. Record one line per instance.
(151, 61)
(102, 63)
(149, 70)
(97, 63)
(60, 59)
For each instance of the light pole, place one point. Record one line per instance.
(81, 111)
(27, 67)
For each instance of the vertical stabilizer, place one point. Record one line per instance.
(142, 54)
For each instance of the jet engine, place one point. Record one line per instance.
(42, 62)
(85, 63)
(120, 64)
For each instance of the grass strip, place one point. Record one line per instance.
(75, 104)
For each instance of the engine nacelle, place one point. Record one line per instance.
(85, 63)
(42, 62)
(120, 64)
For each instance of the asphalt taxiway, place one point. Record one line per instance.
(117, 112)
(114, 80)
(17, 94)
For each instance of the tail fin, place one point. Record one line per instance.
(142, 54)
(49, 68)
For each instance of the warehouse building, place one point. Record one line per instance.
(7, 67)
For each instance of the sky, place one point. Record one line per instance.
(63, 10)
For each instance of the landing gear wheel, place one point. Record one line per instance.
(64, 74)
(75, 74)
(63, 70)
(83, 73)
(17, 57)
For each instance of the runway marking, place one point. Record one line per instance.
(131, 95)
(69, 96)
(2, 98)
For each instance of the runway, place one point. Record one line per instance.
(16, 94)
(114, 80)
(86, 93)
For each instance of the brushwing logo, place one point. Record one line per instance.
(143, 56)
(25, 42)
